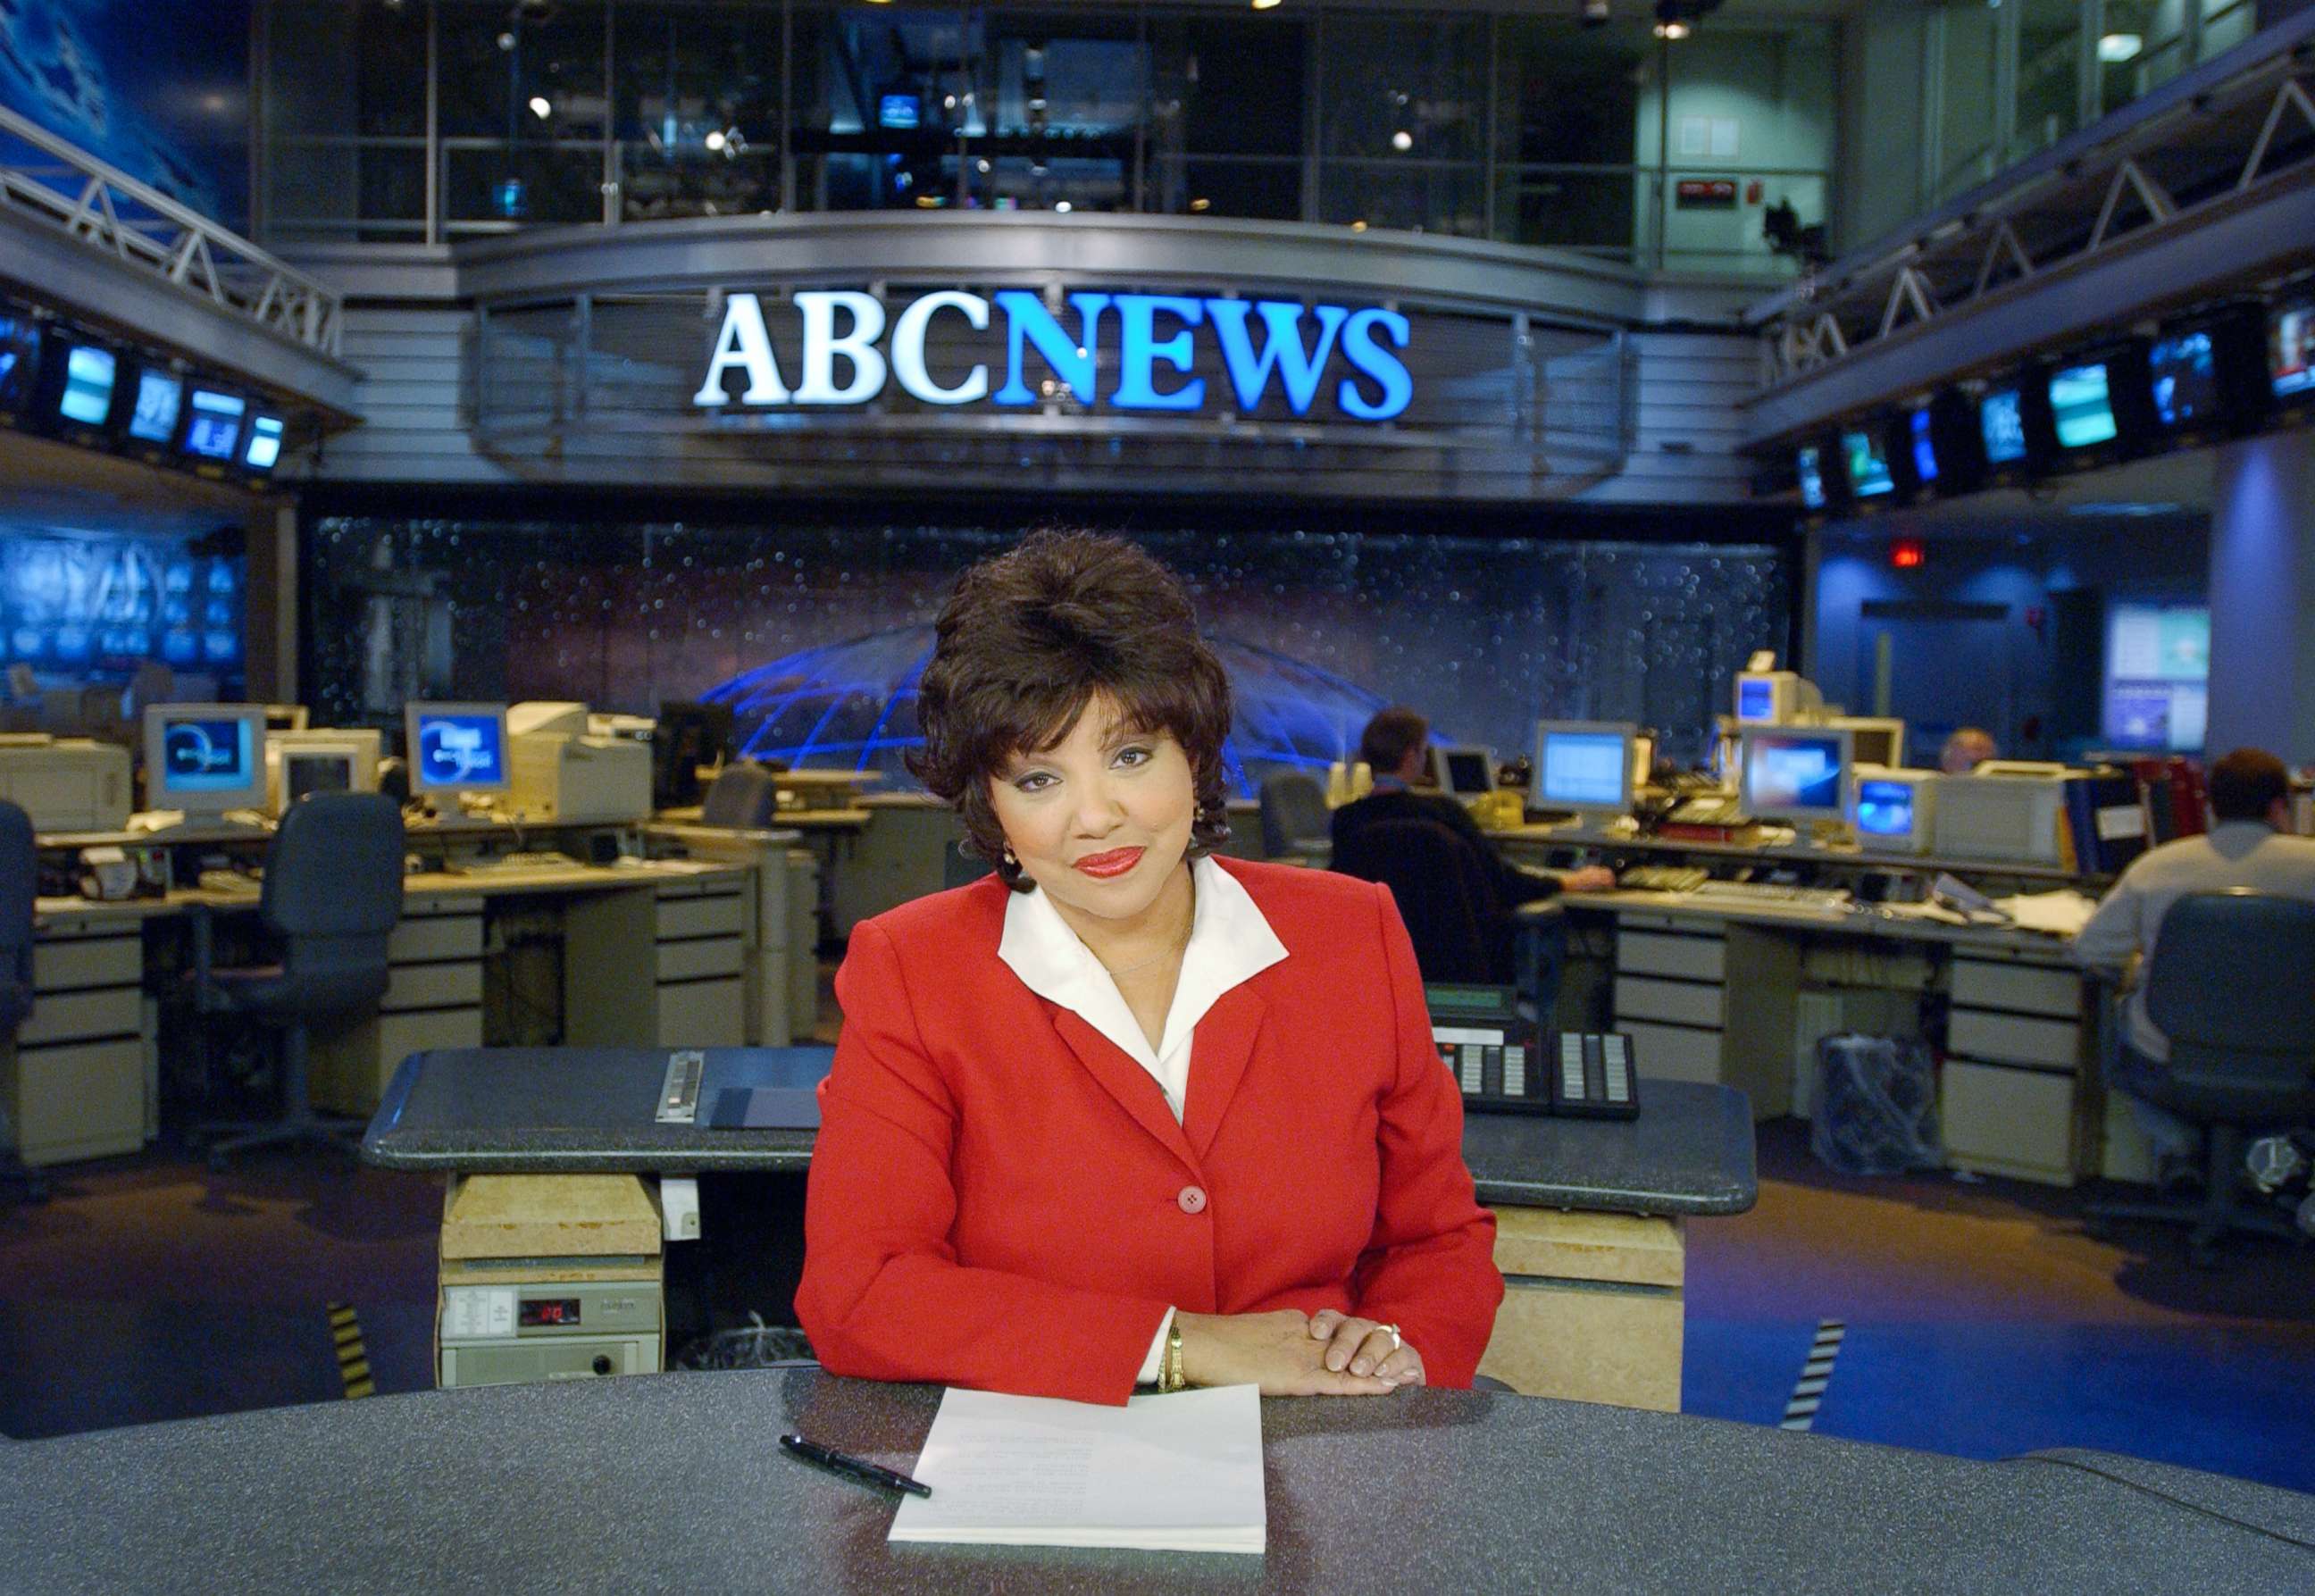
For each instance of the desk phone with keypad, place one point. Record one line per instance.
(1503, 1064)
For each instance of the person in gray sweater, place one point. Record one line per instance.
(2249, 845)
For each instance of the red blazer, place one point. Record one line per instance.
(1001, 1199)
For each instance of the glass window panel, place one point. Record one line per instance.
(2226, 23)
(685, 73)
(1589, 212)
(1413, 86)
(1968, 121)
(655, 185)
(2049, 74)
(1228, 84)
(1570, 96)
(532, 183)
(344, 68)
(496, 59)
(324, 190)
(1262, 191)
(1419, 198)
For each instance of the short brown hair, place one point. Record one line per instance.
(1384, 744)
(2245, 784)
(1029, 638)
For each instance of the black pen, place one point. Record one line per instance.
(859, 1468)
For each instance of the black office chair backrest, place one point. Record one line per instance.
(744, 797)
(2229, 987)
(1293, 813)
(19, 886)
(333, 893)
(1445, 895)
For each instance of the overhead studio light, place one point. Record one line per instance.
(2114, 49)
(1266, 4)
(540, 108)
(1674, 29)
(1595, 13)
(1402, 140)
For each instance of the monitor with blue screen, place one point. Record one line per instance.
(2001, 417)
(2081, 405)
(1892, 811)
(1795, 773)
(20, 361)
(160, 395)
(212, 423)
(1868, 464)
(204, 759)
(1808, 464)
(86, 399)
(1584, 767)
(457, 748)
(264, 447)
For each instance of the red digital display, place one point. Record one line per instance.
(538, 1311)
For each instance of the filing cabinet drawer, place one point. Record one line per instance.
(63, 1016)
(688, 961)
(2015, 1122)
(703, 1013)
(82, 1101)
(436, 937)
(88, 961)
(1679, 1003)
(1668, 1052)
(1692, 958)
(2026, 988)
(433, 986)
(2012, 1039)
(720, 915)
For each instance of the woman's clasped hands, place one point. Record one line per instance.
(1290, 1353)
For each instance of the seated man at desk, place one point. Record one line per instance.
(1394, 745)
(2248, 845)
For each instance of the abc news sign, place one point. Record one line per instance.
(1303, 353)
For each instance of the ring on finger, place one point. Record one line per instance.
(1396, 1341)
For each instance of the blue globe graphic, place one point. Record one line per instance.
(852, 706)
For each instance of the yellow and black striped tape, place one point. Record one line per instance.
(353, 1357)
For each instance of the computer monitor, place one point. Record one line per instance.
(205, 759)
(80, 396)
(1865, 453)
(1463, 772)
(20, 361)
(1584, 767)
(159, 398)
(1894, 810)
(686, 736)
(1795, 773)
(261, 449)
(212, 426)
(1768, 697)
(2291, 354)
(2101, 404)
(328, 759)
(1808, 467)
(1873, 740)
(456, 747)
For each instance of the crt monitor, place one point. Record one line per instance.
(1770, 698)
(1808, 467)
(156, 400)
(1893, 810)
(1795, 773)
(262, 448)
(1463, 772)
(1585, 766)
(330, 760)
(456, 747)
(205, 758)
(2291, 354)
(20, 361)
(79, 387)
(212, 424)
(1865, 452)
(1873, 740)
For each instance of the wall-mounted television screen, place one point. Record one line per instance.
(1867, 458)
(2185, 369)
(2081, 405)
(20, 361)
(264, 445)
(1921, 444)
(2001, 419)
(212, 423)
(1808, 464)
(160, 396)
(2158, 670)
(898, 110)
(86, 397)
(2291, 352)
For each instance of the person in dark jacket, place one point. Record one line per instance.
(1395, 745)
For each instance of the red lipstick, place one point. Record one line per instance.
(1112, 865)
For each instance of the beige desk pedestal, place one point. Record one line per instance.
(1592, 1307)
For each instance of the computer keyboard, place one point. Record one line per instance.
(1662, 878)
(239, 884)
(515, 863)
(1773, 892)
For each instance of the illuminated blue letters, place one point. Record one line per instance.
(1139, 351)
(1359, 348)
(1071, 358)
(1281, 349)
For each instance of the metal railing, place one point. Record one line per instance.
(2211, 140)
(113, 213)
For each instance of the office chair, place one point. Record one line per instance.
(744, 797)
(332, 895)
(2228, 985)
(19, 886)
(1445, 890)
(1294, 816)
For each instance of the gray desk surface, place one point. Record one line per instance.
(674, 1483)
(550, 1110)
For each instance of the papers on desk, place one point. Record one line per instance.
(1180, 1473)
(2062, 913)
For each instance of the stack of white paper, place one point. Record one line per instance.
(2062, 913)
(1177, 1473)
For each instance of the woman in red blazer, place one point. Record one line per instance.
(1123, 1112)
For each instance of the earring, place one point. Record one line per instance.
(1010, 858)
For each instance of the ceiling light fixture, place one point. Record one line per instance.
(2114, 49)
(539, 107)
(1674, 29)
(1266, 4)
(1402, 140)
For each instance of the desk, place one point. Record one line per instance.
(672, 1481)
(1741, 993)
(700, 951)
(1591, 1214)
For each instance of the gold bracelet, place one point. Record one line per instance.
(1169, 1362)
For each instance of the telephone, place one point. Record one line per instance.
(1502, 1063)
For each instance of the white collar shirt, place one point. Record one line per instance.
(1229, 943)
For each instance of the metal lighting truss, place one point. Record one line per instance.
(2216, 145)
(112, 213)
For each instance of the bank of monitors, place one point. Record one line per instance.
(456, 749)
(1584, 767)
(1795, 773)
(20, 361)
(1894, 810)
(1463, 772)
(205, 759)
